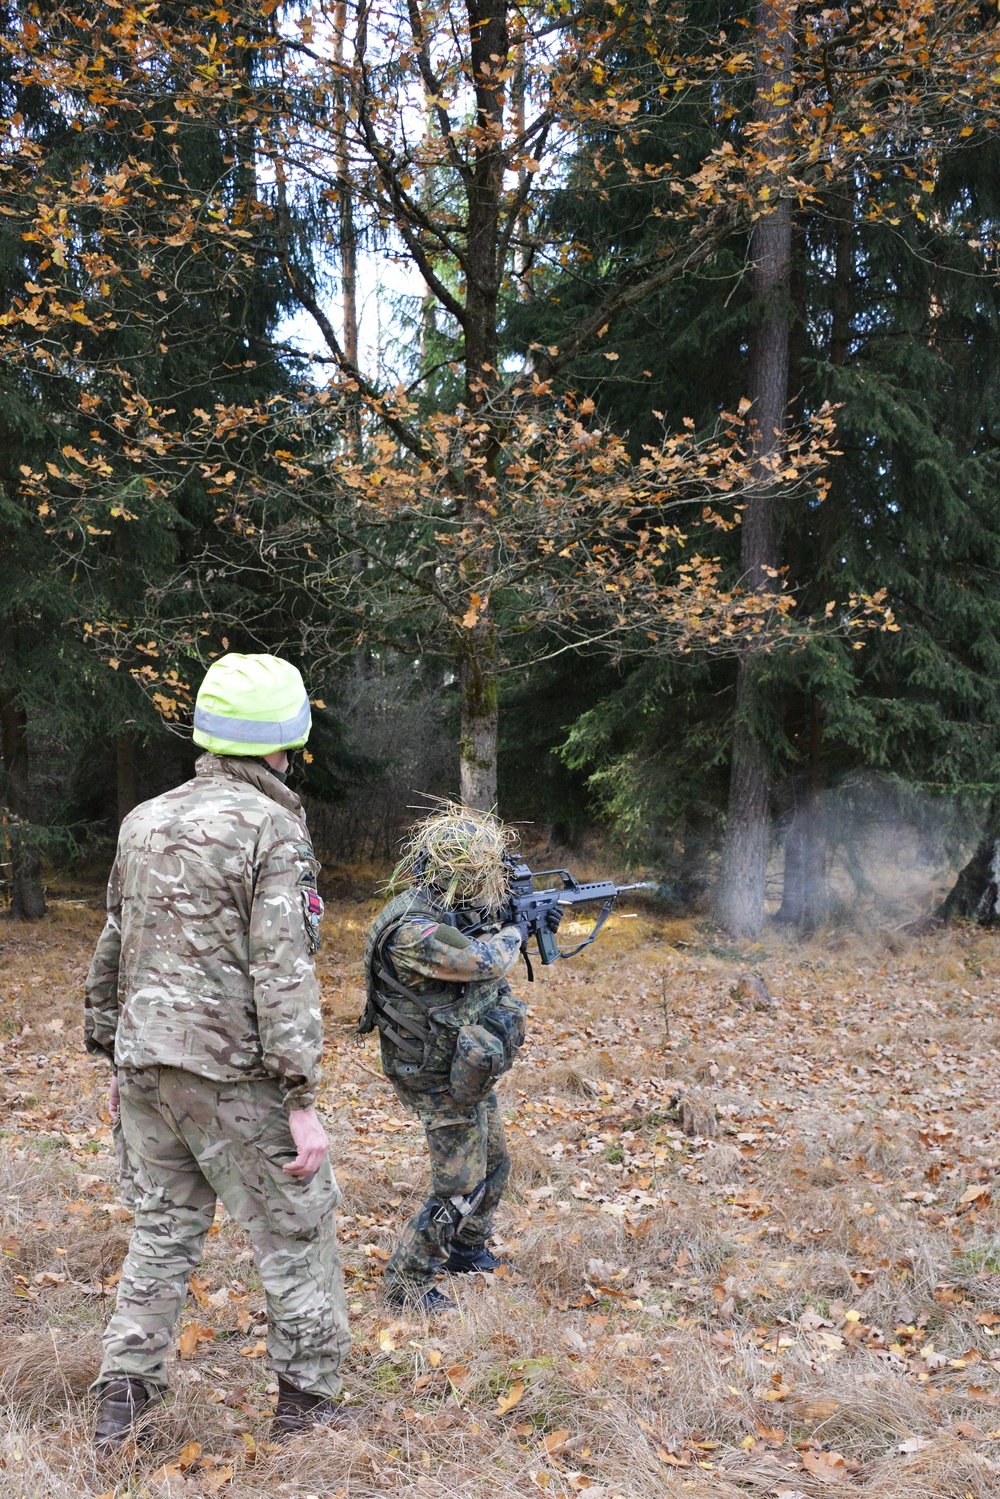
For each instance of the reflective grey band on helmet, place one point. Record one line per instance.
(252, 730)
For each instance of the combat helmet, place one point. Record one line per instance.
(461, 855)
(251, 705)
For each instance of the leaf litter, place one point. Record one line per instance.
(755, 1247)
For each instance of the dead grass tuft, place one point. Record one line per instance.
(46, 1368)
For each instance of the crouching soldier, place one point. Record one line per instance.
(449, 1026)
(203, 995)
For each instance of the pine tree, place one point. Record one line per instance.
(135, 322)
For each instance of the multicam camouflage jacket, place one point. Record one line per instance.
(451, 979)
(205, 962)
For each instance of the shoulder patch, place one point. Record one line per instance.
(312, 911)
(451, 936)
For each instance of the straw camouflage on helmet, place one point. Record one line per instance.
(460, 854)
(251, 705)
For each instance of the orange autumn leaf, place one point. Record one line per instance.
(193, 1334)
(513, 1397)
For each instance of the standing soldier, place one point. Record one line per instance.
(449, 1026)
(203, 994)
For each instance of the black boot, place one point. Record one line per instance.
(431, 1300)
(119, 1405)
(298, 1410)
(466, 1258)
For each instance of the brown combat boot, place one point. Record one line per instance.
(119, 1405)
(298, 1410)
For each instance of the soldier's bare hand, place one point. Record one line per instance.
(310, 1142)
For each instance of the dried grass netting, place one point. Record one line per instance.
(461, 854)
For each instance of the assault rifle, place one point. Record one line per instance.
(528, 909)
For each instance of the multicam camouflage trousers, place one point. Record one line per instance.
(469, 1170)
(189, 1141)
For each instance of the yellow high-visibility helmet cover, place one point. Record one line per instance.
(251, 705)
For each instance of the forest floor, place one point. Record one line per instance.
(807, 1304)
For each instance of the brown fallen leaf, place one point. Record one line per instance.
(827, 1467)
(188, 1455)
(555, 1439)
(819, 1410)
(218, 1479)
(772, 1435)
(198, 1287)
(438, 1423)
(513, 1396)
(674, 1459)
(191, 1336)
(165, 1474)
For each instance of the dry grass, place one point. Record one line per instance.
(803, 1306)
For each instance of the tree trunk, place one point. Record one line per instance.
(807, 899)
(489, 45)
(975, 895)
(348, 237)
(522, 253)
(793, 897)
(739, 901)
(739, 906)
(27, 897)
(127, 773)
(806, 896)
(478, 741)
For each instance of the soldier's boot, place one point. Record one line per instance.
(465, 1259)
(119, 1405)
(298, 1410)
(431, 1300)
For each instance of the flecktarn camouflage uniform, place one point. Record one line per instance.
(203, 992)
(426, 981)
